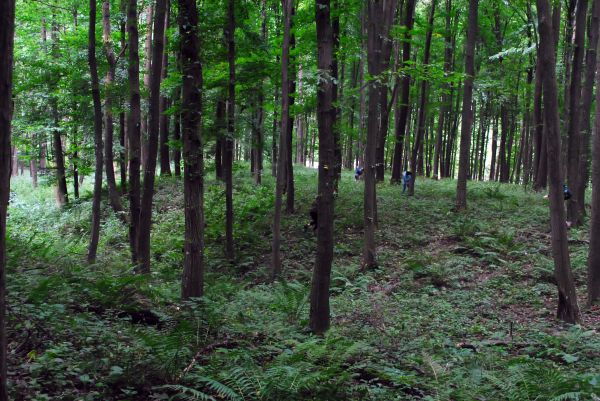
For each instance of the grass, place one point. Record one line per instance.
(461, 306)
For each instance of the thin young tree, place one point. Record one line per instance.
(326, 116)
(587, 94)
(93, 64)
(568, 309)
(285, 120)
(134, 119)
(402, 108)
(228, 154)
(113, 193)
(193, 170)
(59, 157)
(593, 278)
(165, 160)
(421, 119)
(7, 30)
(143, 240)
(574, 127)
(467, 108)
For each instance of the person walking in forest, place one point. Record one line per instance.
(406, 180)
(358, 173)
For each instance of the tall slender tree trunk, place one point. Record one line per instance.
(134, 127)
(113, 193)
(285, 120)
(59, 158)
(289, 171)
(7, 30)
(402, 111)
(192, 283)
(165, 160)
(567, 310)
(574, 130)
(467, 110)
(123, 142)
(177, 135)
(147, 69)
(326, 116)
(419, 136)
(586, 105)
(95, 231)
(229, 139)
(143, 242)
(438, 152)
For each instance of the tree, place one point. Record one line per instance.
(7, 30)
(95, 232)
(402, 108)
(228, 153)
(420, 134)
(567, 310)
(59, 158)
(379, 18)
(134, 127)
(285, 120)
(574, 132)
(193, 170)
(113, 194)
(467, 108)
(165, 162)
(326, 116)
(143, 241)
(593, 279)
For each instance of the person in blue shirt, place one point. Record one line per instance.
(406, 179)
(358, 173)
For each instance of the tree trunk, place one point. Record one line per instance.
(326, 116)
(147, 69)
(467, 109)
(228, 159)
(419, 136)
(122, 119)
(7, 30)
(143, 242)
(165, 161)
(95, 230)
(586, 106)
(192, 283)
(574, 130)
(289, 171)
(59, 159)
(113, 193)
(285, 120)
(177, 136)
(593, 279)
(567, 310)
(221, 127)
(134, 127)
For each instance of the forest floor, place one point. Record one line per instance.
(461, 306)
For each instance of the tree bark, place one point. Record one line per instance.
(586, 106)
(59, 158)
(422, 103)
(7, 30)
(567, 310)
(165, 160)
(192, 283)
(285, 120)
(134, 127)
(143, 242)
(93, 64)
(574, 130)
(228, 159)
(467, 109)
(113, 193)
(326, 116)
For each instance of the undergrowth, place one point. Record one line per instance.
(460, 306)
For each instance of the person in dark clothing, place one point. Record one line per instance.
(314, 215)
(358, 173)
(406, 179)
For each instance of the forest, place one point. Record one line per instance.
(299, 200)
